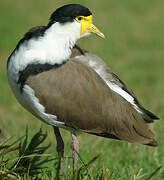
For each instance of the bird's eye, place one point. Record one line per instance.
(80, 18)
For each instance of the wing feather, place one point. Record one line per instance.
(81, 99)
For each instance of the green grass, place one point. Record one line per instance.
(133, 49)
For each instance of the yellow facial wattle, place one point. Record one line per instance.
(86, 24)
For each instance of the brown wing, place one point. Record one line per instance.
(79, 97)
(85, 56)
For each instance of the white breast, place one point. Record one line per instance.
(52, 48)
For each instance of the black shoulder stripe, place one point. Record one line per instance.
(34, 32)
(34, 69)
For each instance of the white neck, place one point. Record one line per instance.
(59, 40)
(54, 47)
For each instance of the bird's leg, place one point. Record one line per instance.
(60, 143)
(60, 149)
(75, 147)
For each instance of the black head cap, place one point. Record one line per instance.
(68, 12)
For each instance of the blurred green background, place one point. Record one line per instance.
(133, 49)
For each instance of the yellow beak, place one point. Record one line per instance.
(86, 24)
(93, 29)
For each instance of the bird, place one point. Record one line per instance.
(68, 87)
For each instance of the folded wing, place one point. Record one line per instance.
(80, 98)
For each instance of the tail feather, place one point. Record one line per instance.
(148, 116)
(134, 130)
(153, 143)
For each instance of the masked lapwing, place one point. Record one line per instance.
(67, 87)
